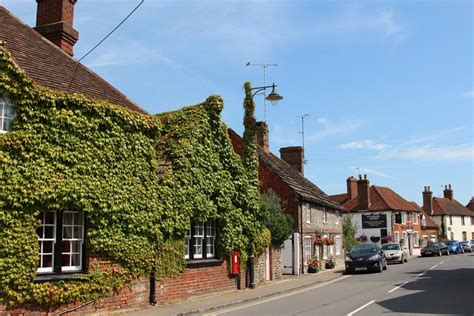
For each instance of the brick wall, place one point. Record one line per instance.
(195, 281)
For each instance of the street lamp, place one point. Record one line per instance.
(273, 97)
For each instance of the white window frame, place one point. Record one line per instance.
(307, 248)
(464, 236)
(463, 220)
(5, 104)
(307, 212)
(338, 215)
(416, 238)
(415, 218)
(404, 218)
(325, 213)
(74, 237)
(337, 244)
(200, 241)
(396, 237)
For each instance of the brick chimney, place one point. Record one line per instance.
(363, 193)
(448, 192)
(351, 187)
(262, 136)
(294, 156)
(54, 20)
(427, 201)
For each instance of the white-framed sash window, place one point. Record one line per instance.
(308, 248)
(7, 114)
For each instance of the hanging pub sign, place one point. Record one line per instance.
(374, 221)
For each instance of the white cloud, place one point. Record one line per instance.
(369, 144)
(454, 153)
(468, 94)
(371, 171)
(331, 128)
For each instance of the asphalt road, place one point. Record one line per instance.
(431, 286)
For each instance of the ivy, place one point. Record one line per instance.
(140, 181)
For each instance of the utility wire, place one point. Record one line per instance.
(384, 155)
(100, 42)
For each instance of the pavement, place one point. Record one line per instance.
(210, 302)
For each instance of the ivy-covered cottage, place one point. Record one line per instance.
(103, 205)
(314, 214)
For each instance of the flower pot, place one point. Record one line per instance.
(374, 239)
(312, 269)
(330, 265)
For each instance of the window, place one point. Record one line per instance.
(338, 215)
(463, 221)
(415, 219)
(325, 215)
(398, 218)
(6, 114)
(472, 220)
(416, 239)
(307, 211)
(464, 236)
(337, 243)
(409, 217)
(308, 248)
(200, 241)
(450, 219)
(61, 242)
(396, 237)
(404, 218)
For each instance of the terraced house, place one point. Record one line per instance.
(456, 221)
(104, 206)
(314, 213)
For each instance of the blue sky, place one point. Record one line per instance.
(388, 84)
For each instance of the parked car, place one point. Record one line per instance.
(454, 246)
(365, 258)
(467, 245)
(435, 249)
(394, 253)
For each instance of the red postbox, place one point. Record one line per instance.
(235, 262)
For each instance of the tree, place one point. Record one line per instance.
(279, 223)
(349, 231)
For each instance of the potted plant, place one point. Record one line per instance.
(313, 265)
(328, 241)
(318, 241)
(362, 238)
(374, 238)
(330, 263)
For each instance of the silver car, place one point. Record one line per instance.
(394, 253)
(467, 245)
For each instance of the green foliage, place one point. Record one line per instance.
(279, 223)
(349, 231)
(262, 241)
(139, 180)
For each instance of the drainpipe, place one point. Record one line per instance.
(152, 299)
(251, 269)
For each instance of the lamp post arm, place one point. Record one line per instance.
(258, 89)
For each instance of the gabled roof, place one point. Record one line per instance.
(444, 206)
(48, 66)
(306, 189)
(381, 199)
(470, 205)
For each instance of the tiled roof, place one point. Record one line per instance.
(470, 205)
(48, 66)
(381, 199)
(306, 189)
(340, 198)
(443, 206)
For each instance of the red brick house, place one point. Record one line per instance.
(314, 214)
(45, 55)
(429, 229)
(381, 214)
(455, 220)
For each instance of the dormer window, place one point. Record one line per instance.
(6, 114)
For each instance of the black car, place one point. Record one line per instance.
(365, 258)
(435, 249)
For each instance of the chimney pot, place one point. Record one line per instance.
(448, 192)
(363, 193)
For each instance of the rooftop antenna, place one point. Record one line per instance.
(303, 116)
(264, 66)
(358, 171)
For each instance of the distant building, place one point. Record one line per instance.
(456, 221)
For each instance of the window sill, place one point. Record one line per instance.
(200, 263)
(59, 277)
